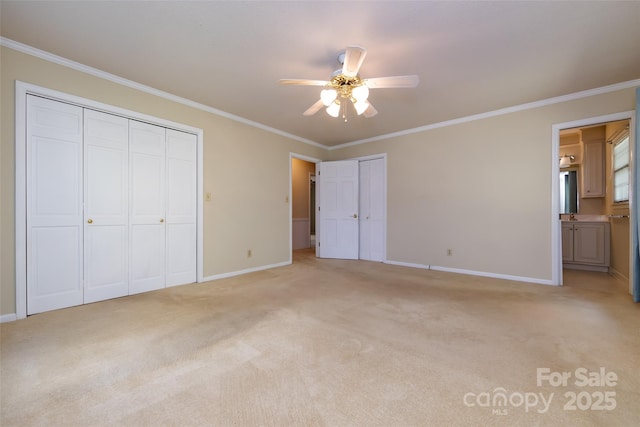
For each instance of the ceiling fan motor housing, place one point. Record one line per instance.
(344, 84)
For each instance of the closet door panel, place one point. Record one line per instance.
(106, 222)
(181, 208)
(147, 207)
(377, 210)
(54, 205)
(372, 208)
(365, 210)
(147, 263)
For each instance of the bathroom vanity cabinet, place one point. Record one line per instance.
(585, 245)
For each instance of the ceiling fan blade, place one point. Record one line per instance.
(314, 108)
(370, 111)
(353, 57)
(304, 82)
(392, 82)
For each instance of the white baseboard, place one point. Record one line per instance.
(471, 272)
(493, 275)
(407, 264)
(8, 318)
(245, 271)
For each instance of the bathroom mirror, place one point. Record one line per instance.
(568, 191)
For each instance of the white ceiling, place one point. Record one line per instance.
(471, 57)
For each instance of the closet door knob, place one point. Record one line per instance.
(90, 221)
(161, 219)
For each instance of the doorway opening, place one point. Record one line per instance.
(302, 170)
(590, 219)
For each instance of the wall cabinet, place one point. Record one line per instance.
(585, 245)
(593, 161)
(593, 182)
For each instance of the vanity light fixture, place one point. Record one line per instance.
(567, 160)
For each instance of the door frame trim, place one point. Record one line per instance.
(23, 89)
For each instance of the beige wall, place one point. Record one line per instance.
(481, 188)
(300, 171)
(245, 168)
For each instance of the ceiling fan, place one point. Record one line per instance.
(346, 85)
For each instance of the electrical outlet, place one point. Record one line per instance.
(449, 252)
(249, 253)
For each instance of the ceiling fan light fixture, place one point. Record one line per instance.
(347, 85)
(328, 96)
(361, 106)
(334, 109)
(360, 93)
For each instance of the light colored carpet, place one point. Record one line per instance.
(327, 343)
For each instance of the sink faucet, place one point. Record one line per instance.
(572, 217)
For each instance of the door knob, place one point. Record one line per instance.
(90, 221)
(355, 215)
(161, 219)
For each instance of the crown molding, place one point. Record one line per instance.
(29, 50)
(528, 106)
(143, 88)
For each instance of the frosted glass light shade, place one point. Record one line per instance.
(361, 106)
(328, 96)
(333, 110)
(360, 93)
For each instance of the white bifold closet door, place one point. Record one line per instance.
(111, 206)
(147, 206)
(163, 207)
(54, 205)
(106, 217)
(181, 231)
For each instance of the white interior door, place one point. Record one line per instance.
(181, 208)
(106, 218)
(54, 205)
(372, 210)
(338, 213)
(146, 207)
